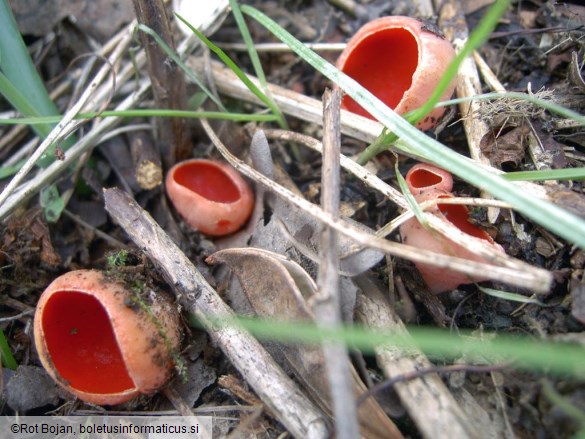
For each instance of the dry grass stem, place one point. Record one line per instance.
(438, 224)
(327, 305)
(427, 399)
(270, 383)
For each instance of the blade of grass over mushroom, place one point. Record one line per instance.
(416, 209)
(171, 54)
(239, 73)
(479, 35)
(548, 174)
(554, 218)
(524, 352)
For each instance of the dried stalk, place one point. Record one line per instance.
(309, 109)
(271, 384)
(67, 124)
(427, 399)
(327, 302)
(56, 169)
(101, 128)
(168, 83)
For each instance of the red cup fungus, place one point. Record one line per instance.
(399, 61)
(428, 183)
(98, 343)
(210, 196)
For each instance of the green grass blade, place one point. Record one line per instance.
(20, 74)
(146, 112)
(525, 352)
(233, 67)
(7, 357)
(554, 218)
(253, 54)
(548, 174)
(16, 64)
(512, 297)
(21, 104)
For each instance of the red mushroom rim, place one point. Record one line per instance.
(207, 180)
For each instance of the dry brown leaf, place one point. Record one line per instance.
(278, 289)
(507, 148)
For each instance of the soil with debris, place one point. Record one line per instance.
(537, 46)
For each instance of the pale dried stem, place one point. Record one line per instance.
(52, 172)
(309, 109)
(15, 196)
(67, 124)
(531, 277)
(327, 306)
(257, 367)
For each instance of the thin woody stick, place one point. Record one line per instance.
(327, 303)
(271, 384)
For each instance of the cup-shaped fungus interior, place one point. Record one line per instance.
(422, 178)
(384, 63)
(82, 344)
(207, 180)
(458, 215)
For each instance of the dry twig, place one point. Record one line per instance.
(271, 384)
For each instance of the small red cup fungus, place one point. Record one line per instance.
(98, 343)
(399, 61)
(423, 177)
(210, 196)
(428, 182)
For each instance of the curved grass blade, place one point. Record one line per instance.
(234, 68)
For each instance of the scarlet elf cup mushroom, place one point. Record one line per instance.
(427, 182)
(210, 196)
(401, 62)
(96, 341)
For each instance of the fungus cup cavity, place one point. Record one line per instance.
(424, 177)
(399, 61)
(95, 341)
(210, 196)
